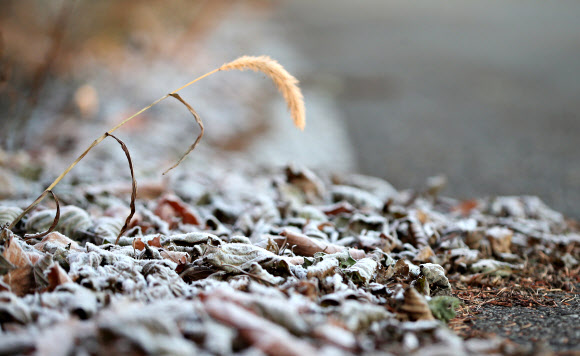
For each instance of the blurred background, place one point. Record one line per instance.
(483, 92)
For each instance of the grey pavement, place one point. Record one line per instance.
(485, 92)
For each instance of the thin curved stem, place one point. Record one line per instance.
(99, 140)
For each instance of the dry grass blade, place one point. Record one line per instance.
(199, 122)
(133, 187)
(284, 81)
(54, 223)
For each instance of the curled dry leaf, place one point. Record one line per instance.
(197, 140)
(21, 280)
(357, 197)
(435, 277)
(465, 207)
(337, 208)
(54, 222)
(5, 265)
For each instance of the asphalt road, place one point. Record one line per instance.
(485, 92)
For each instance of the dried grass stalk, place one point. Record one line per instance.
(199, 122)
(54, 222)
(284, 81)
(133, 188)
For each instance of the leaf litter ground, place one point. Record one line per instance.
(286, 262)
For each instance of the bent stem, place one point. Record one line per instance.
(99, 140)
(286, 83)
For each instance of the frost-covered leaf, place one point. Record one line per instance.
(362, 271)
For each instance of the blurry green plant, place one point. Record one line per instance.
(443, 307)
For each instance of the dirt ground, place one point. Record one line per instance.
(550, 323)
(554, 327)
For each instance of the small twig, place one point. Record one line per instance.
(133, 186)
(54, 222)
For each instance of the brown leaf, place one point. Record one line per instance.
(178, 208)
(466, 206)
(156, 242)
(500, 239)
(21, 280)
(402, 268)
(415, 306)
(337, 208)
(56, 276)
(424, 254)
(15, 255)
(305, 246)
(34, 257)
(175, 256)
(138, 244)
(58, 239)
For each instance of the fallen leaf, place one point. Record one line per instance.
(138, 244)
(56, 276)
(170, 206)
(156, 242)
(415, 306)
